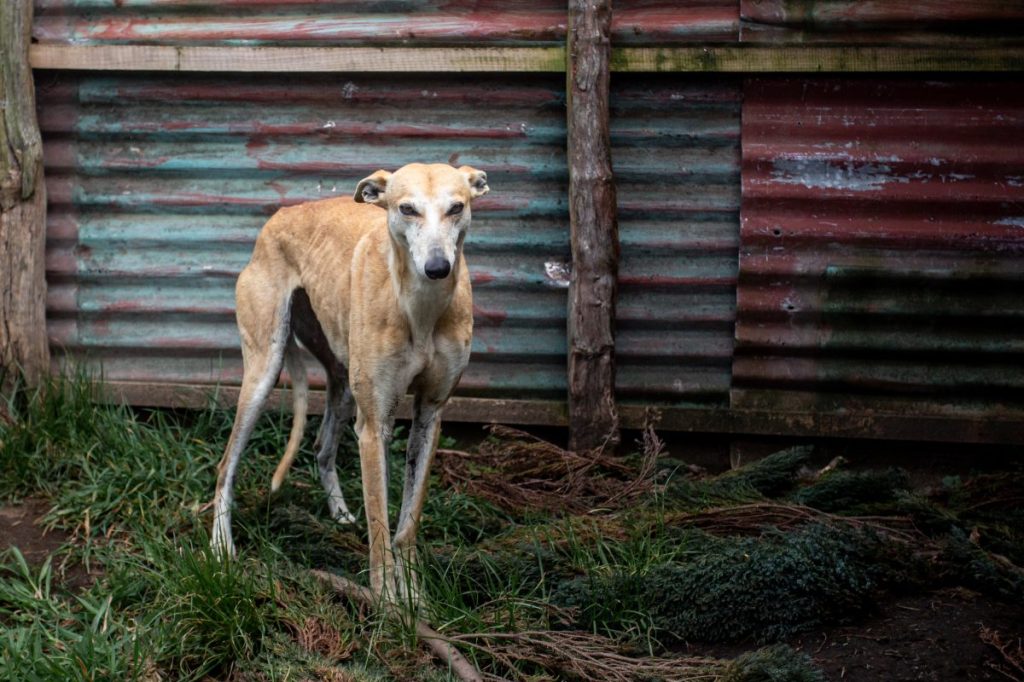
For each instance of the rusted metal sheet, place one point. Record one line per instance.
(158, 186)
(405, 22)
(882, 247)
(668, 22)
(881, 21)
(676, 155)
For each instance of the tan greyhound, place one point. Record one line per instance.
(382, 299)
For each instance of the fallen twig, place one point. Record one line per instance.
(751, 518)
(1012, 656)
(519, 471)
(439, 645)
(998, 559)
(588, 656)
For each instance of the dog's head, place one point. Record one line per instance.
(428, 210)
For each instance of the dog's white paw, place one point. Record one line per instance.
(222, 544)
(343, 516)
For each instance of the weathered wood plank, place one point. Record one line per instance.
(746, 58)
(289, 59)
(945, 428)
(23, 344)
(594, 236)
(737, 58)
(458, 409)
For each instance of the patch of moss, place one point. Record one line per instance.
(762, 589)
(965, 563)
(854, 491)
(772, 476)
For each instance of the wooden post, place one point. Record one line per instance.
(23, 342)
(593, 417)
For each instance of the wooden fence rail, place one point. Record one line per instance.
(730, 58)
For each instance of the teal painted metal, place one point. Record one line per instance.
(676, 158)
(158, 186)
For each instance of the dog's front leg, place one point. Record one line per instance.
(373, 443)
(419, 456)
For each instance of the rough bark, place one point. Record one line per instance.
(23, 342)
(593, 417)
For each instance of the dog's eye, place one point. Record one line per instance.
(407, 209)
(456, 209)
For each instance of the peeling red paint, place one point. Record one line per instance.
(880, 257)
(480, 22)
(494, 318)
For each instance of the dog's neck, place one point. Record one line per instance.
(422, 300)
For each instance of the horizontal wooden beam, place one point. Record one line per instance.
(878, 426)
(749, 58)
(731, 58)
(295, 59)
(197, 397)
(865, 425)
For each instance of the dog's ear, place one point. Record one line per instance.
(371, 190)
(477, 180)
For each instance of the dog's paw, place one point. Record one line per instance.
(222, 545)
(343, 516)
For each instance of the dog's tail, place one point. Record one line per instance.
(300, 402)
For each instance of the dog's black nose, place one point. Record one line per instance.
(437, 267)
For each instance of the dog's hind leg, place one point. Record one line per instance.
(337, 413)
(300, 404)
(339, 407)
(423, 437)
(263, 348)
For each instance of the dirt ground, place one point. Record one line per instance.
(20, 527)
(925, 637)
(933, 637)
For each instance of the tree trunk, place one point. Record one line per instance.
(593, 417)
(23, 343)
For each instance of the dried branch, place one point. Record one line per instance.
(997, 559)
(749, 519)
(584, 655)
(519, 471)
(1012, 656)
(439, 645)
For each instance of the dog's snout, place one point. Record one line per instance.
(437, 266)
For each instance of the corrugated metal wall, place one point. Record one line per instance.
(675, 154)
(881, 22)
(158, 185)
(863, 256)
(882, 246)
(362, 22)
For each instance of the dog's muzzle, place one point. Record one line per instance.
(437, 266)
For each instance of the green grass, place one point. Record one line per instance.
(49, 635)
(131, 485)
